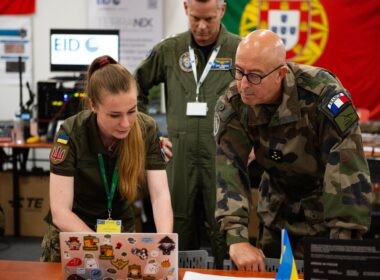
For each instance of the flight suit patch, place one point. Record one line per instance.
(184, 62)
(222, 64)
(59, 153)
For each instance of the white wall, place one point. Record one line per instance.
(68, 14)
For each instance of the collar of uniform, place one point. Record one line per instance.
(288, 111)
(96, 144)
(219, 41)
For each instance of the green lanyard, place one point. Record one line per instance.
(115, 176)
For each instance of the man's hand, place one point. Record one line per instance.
(247, 257)
(251, 157)
(166, 148)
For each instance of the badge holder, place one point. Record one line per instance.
(108, 225)
(199, 108)
(196, 109)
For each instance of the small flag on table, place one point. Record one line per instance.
(287, 269)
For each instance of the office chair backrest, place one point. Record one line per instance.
(195, 259)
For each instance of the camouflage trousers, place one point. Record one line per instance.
(50, 245)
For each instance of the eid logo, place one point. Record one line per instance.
(108, 2)
(91, 45)
(72, 45)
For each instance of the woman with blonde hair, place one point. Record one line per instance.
(101, 156)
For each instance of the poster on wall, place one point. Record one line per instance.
(15, 43)
(139, 23)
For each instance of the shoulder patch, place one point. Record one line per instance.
(336, 102)
(340, 110)
(58, 153)
(223, 113)
(62, 139)
(216, 124)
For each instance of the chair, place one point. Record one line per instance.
(195, 259)
(271, 265)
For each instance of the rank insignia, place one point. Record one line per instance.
(276, 155)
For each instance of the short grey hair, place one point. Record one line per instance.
(218, 2)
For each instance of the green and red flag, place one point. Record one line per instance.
(342, 36)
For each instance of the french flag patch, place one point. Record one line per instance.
(336, 102)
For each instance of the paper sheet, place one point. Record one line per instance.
(200, 276)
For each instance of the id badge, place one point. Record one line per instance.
(196, 109)
(113, 226)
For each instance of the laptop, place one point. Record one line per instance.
(328, 259)
(107, 256)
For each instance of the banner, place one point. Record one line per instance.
(139, 23)
(17, 7)
(341, 36)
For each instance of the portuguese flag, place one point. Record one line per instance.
(342, 36)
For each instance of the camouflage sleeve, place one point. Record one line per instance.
(148, 74)
(232, 180)
(347, 189)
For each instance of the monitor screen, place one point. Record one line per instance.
(75, 49)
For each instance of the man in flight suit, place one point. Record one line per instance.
(304, 130)
(194, 68)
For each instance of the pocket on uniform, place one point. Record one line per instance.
(313, 209)
(269, 209)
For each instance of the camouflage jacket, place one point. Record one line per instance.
(316, 179)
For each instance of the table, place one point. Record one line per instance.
(16, 150)
(18, 270)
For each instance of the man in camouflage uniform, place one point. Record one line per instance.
(191, 171)
(303, 128)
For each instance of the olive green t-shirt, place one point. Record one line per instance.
(75, 154)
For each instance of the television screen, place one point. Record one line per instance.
(75, 49)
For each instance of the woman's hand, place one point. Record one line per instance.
(166, 148)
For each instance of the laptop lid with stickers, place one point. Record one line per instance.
(145, 256)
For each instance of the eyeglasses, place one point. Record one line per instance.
(253, 78)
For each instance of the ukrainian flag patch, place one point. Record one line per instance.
(63, 139)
